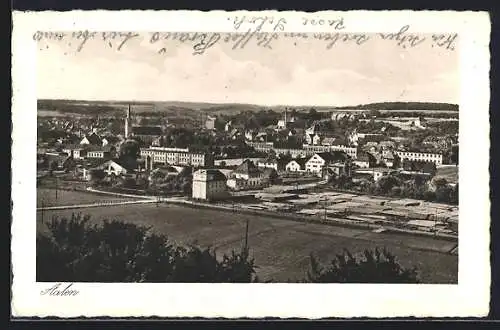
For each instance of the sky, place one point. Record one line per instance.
(293, 72)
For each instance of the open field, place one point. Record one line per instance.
(450, 173)
(67, 197)
(281, 248)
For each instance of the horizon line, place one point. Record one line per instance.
(240, 103)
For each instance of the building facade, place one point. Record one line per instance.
(209, 184)
(421, 156)
(177, 156)
(296, 165)
(307, 150)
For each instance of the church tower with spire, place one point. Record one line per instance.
(127, 123)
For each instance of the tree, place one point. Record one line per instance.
(386, 183)
(370, 267)
(53, 166)
(429, 196)
(129, 149)
(443, 194)
(79, 251)
(96, 176)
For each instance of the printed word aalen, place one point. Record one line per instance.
(56, 290)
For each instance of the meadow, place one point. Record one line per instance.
(47, 197)
(281, 248)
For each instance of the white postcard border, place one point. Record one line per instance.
(469, 298)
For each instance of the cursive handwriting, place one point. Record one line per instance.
(257, 23)
(337, 24)
(59, 290)
(259, 31)
(114, 39)
(403, 38)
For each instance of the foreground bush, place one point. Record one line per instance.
(78, 251)
(75, 250)
(370, 267)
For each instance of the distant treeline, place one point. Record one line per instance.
(403, 106)
(98, 107)
(75, 107)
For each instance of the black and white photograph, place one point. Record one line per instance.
(255, 156)
(247, 165)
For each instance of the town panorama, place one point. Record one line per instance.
(274, 189)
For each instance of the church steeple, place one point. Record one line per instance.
(127, 123)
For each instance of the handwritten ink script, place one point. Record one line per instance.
(60, 290)
(260, 31)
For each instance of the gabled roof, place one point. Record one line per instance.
(300, 161)
(119, 163)
(75, 146)
(147, 130)
(215, 173)
(106, 148)
(112, 139)
(328, 140)
(93, 138)
(333, 156)
(363, 156)
(389, 155)
(247, 167)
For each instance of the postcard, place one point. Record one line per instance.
(250, 164)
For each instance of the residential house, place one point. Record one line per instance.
(250, 135)
(228, 126)
(276, 163)
(91, 139)
(110, 140)
(371, 146)
(319, 161)
(363, 160)
(166, 171)
(261, 137)
(77, 151)
(388, 158)
(374, 173)
(246, 170)
(296, 165)
(210, 123)
(234, 134)
(313, 129)
(114, 167)
(313, 139)
(209, 184)
(387, 144)
(328, 141)
(246, 176)
(106, 152)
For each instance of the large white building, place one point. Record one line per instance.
(176, 156)
(307, 150)
(421, 156)
(209, 184)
